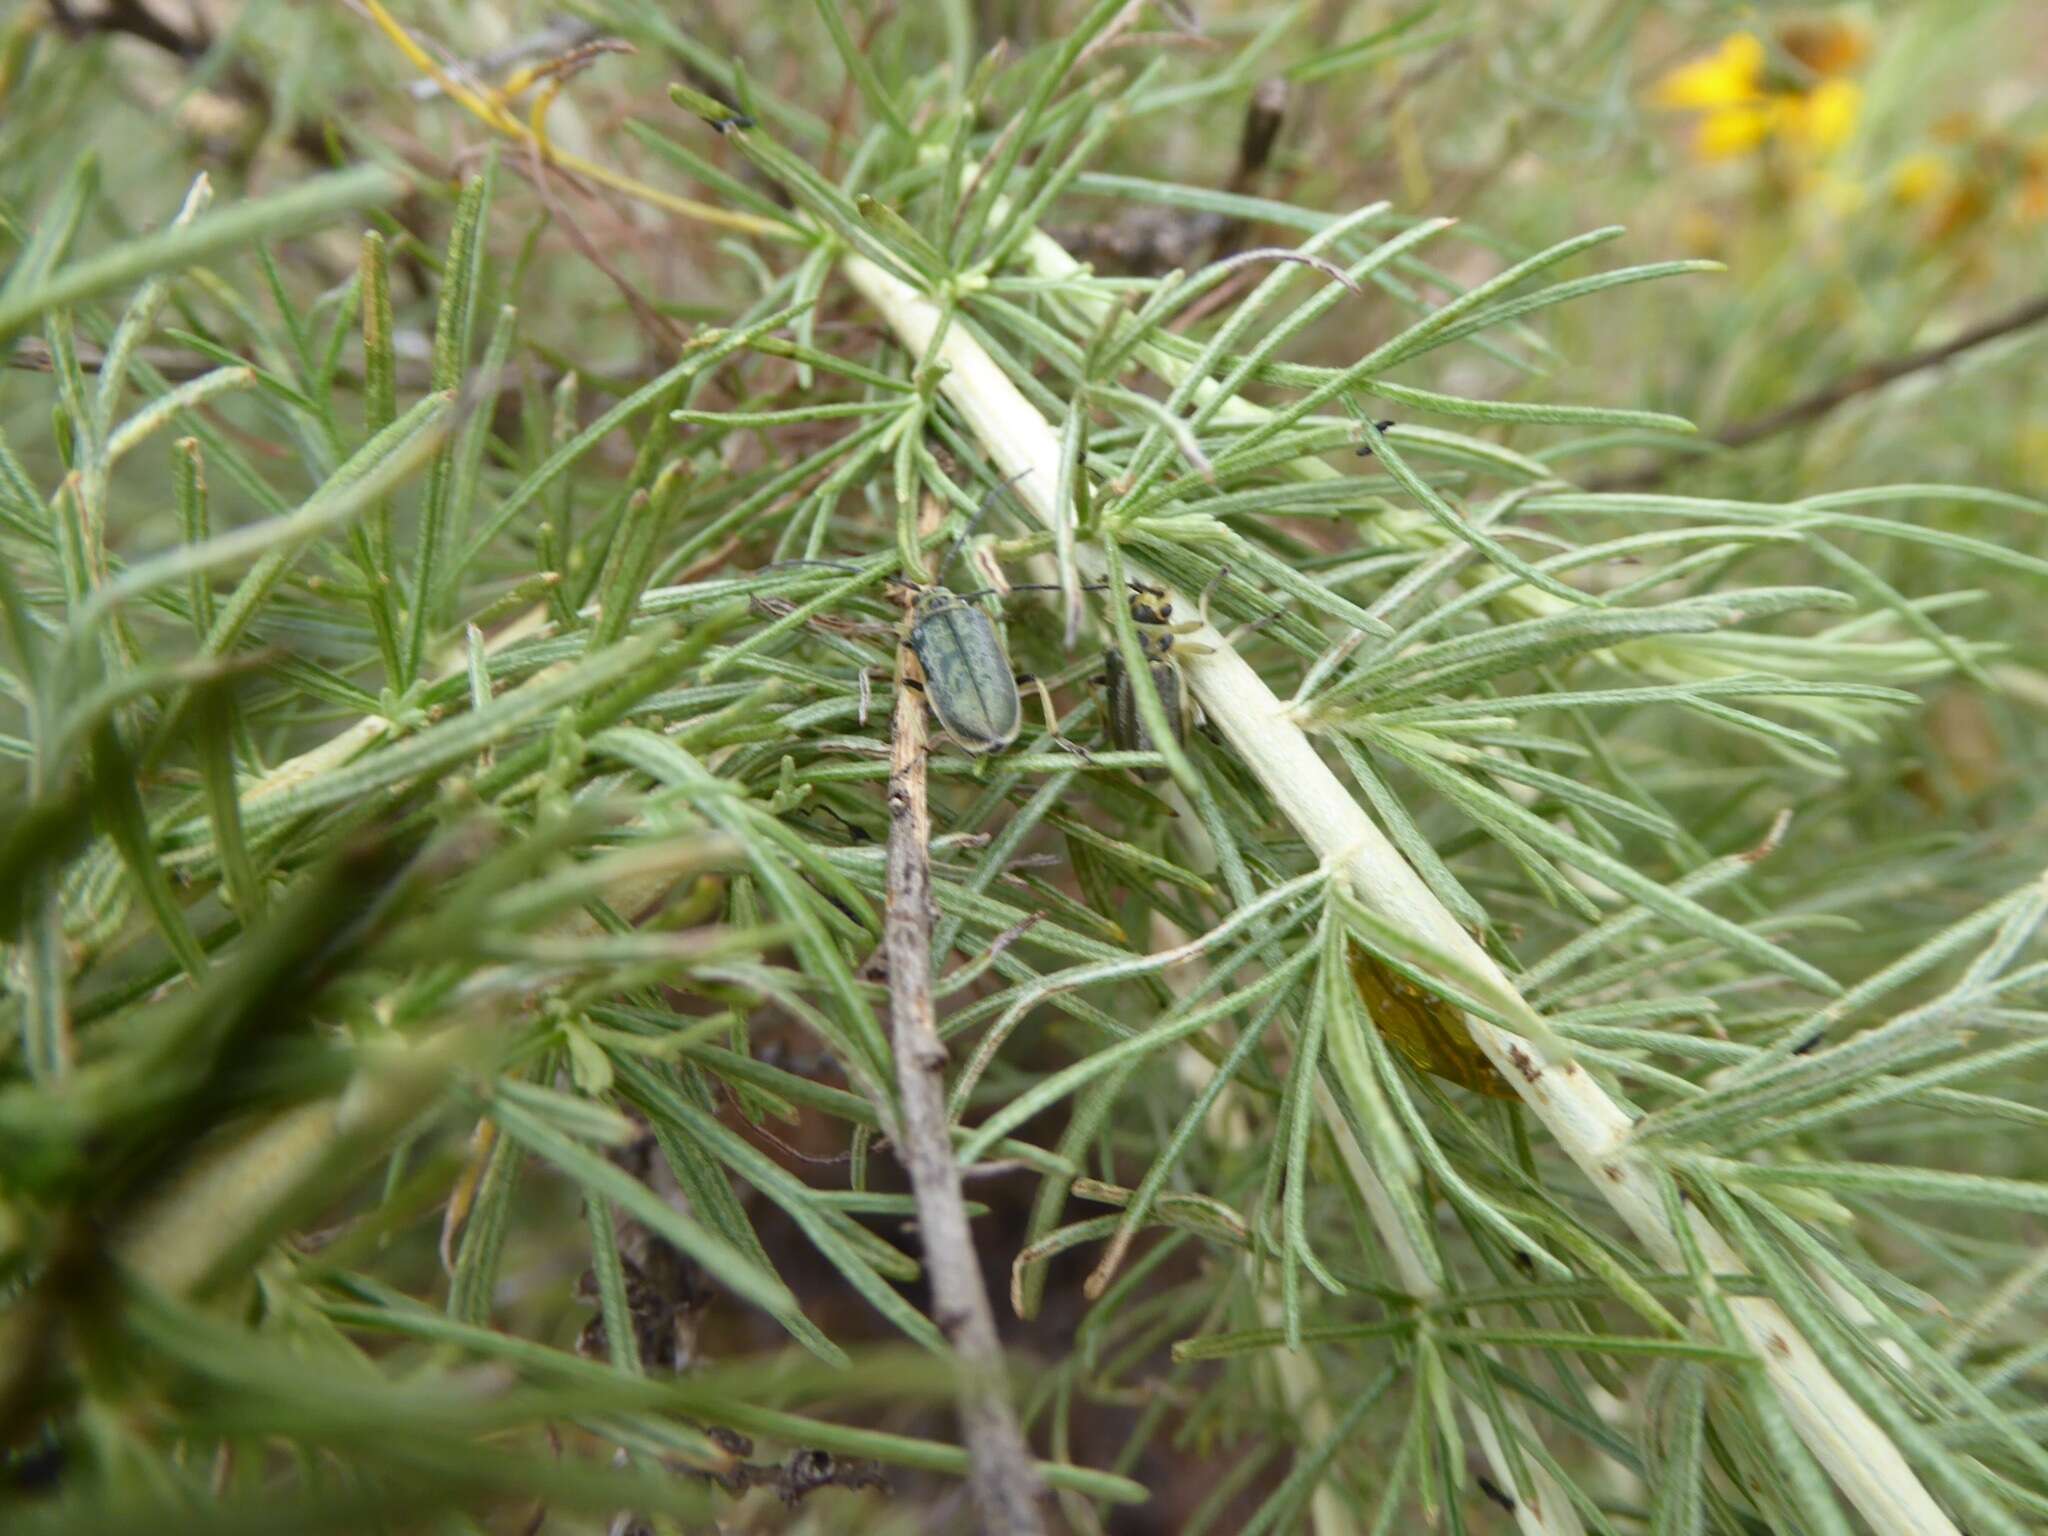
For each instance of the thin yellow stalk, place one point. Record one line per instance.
(488, 110)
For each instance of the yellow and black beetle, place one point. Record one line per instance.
(1160, 644)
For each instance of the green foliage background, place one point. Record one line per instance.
(441, 833)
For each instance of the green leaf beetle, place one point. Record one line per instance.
(963, 668)
(964, 671)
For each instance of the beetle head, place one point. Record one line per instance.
(1150, 604)
(924, 602)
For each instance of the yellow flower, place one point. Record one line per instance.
(1733, 131)
(1919, 178)
(1991, 175)
(1823, 118)
(1731, 75)
(1746, 102)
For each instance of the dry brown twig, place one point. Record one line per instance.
(1859, 381)
(1006, 1484)
(133, 19)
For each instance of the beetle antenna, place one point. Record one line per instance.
(981, 511)
(1053, 586)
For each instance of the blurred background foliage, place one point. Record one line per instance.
(1874, 179)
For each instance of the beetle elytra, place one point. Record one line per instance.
(966, 677)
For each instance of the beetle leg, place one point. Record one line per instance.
(1052, 723)
(1209, 590)
(912, 677)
